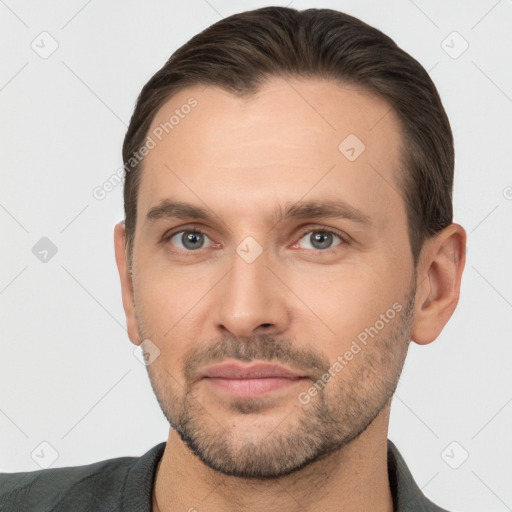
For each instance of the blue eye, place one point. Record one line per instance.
(320, 239)
(191, 240)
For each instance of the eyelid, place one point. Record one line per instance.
(186, 227)
(193, 228)
(323, 229)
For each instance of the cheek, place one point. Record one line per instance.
(165, 295)
(168, 302)
(337, 306)
(343, 298)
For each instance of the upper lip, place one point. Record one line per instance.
(259, 370)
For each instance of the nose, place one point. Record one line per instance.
(251, 300)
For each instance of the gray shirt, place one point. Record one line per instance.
(125, 484)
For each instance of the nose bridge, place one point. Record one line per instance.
(247, 282)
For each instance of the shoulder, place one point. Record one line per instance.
(51, 489)
(99, 486)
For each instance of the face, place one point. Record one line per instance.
(300, 257)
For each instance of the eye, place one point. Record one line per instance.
(191, 240)
(319, 239)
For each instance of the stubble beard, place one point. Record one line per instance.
(307, 433)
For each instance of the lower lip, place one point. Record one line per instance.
(252, 388)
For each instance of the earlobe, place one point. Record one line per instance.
(439, 274)
(126, 283)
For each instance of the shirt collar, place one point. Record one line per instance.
(407, 496)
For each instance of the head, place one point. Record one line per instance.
(288, 199)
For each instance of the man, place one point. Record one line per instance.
(288, 231)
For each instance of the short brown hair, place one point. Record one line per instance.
(240, 52)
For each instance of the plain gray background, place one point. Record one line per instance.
(68, 375)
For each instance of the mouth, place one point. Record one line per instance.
(252, 381)
(252, 388)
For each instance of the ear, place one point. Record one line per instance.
(126, 283)
(438, 283)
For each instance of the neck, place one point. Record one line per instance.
(352, 479)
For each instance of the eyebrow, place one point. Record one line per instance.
(168, 209)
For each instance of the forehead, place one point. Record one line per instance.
(291, 139)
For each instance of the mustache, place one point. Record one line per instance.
(263, 348)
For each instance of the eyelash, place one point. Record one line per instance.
(323, 230)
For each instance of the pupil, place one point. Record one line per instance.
(192, 238)
(324, 240)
